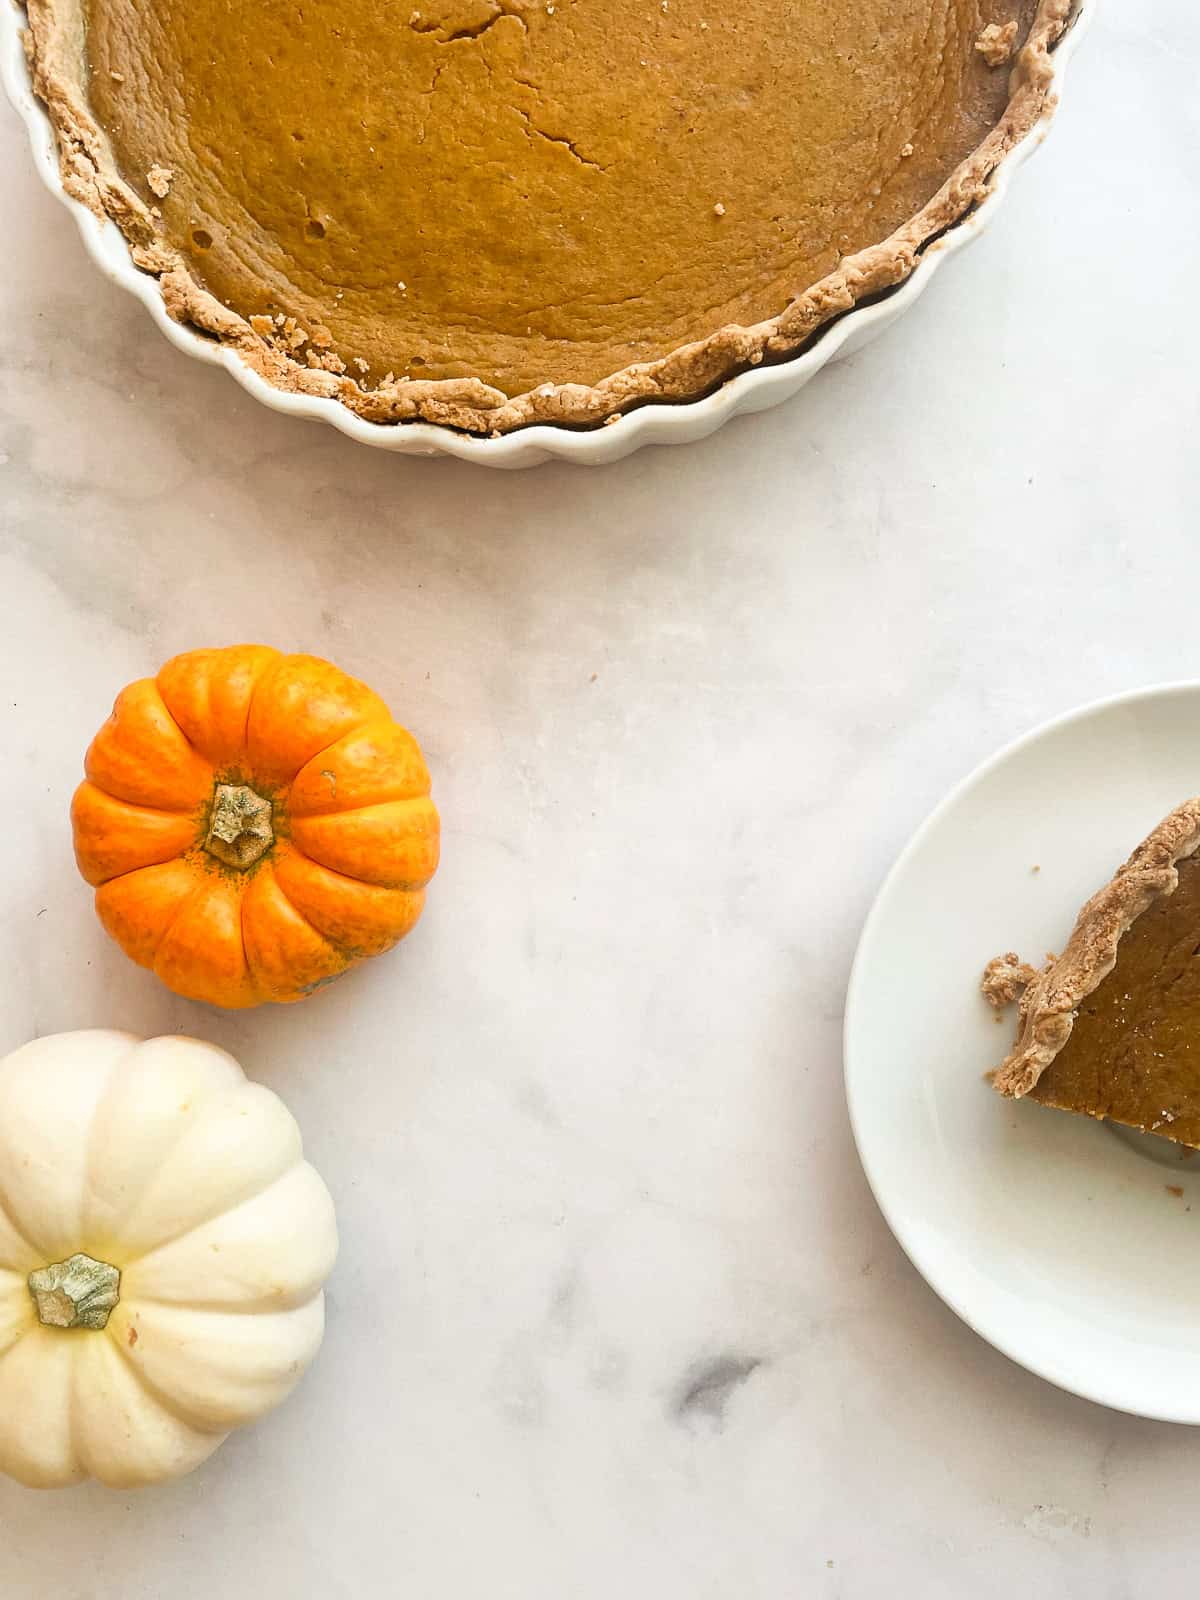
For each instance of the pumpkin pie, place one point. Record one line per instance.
(1111, 1028)
(487, 213)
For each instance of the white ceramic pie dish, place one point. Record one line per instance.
(678, 423)
(1063, 1241)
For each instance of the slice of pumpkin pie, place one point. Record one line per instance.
(1111, 1027)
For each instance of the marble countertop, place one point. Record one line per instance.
(644, 1332)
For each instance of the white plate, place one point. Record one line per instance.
(1055, 1237)
(650, 424)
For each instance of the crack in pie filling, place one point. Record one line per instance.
(486, 213)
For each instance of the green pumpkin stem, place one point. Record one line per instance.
(76, 1293)
(239, 828)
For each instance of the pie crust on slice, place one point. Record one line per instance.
(1111, 1028)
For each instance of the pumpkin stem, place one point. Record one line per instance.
(75, 1293)
(239, 830)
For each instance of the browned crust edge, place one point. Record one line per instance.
(1053, 995)
(54, 47)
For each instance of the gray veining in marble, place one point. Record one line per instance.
(647, 1334)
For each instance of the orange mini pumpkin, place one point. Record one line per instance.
(254, 824)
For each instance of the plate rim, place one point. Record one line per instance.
(923, 1260)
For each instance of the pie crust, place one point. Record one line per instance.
(300, 358)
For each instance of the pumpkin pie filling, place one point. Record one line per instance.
(485, 211)
(1134, 1052)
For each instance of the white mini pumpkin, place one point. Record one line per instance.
(163, 1244)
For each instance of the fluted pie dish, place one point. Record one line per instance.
(538, 226)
